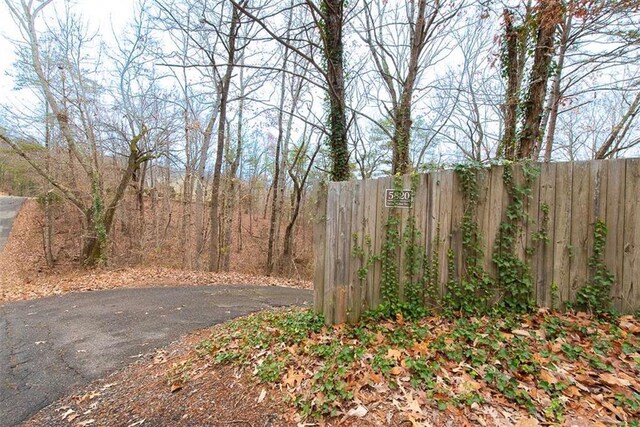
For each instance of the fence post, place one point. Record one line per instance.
(319, 238)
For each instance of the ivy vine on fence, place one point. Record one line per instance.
(410, 282)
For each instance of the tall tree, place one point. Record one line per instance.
(232, 46)
(548, 15)
(515, 46)
(327, 22)
(403, 42)
(74, 108)
(536, 32)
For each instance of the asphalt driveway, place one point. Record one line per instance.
(9, 208)
(50, 346)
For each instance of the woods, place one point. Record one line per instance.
(197, 129)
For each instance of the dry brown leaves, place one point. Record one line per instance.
(140, 396)
(211, 394)
(134, 277)
(25, 275)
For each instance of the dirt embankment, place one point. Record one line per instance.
(24, 273)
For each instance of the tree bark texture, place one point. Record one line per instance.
(549, 16)
(333, 11)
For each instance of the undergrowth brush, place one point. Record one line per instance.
(542, 365)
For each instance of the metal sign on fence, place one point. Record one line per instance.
(394, 198)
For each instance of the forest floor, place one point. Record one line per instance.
(25, 275)
(285, 368)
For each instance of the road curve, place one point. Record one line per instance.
(9, 208)
(50, 346)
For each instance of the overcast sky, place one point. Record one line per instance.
(100, 14)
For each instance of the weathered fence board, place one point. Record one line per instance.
(614, 218)
(562, 225)
(534, 226)
(580, 201)
(444, 215)
(319, 248)
(631, 243)
(370, 233)
(496, 194)
(555, 240)
(547, 183)
(433, 227)
(355, 287)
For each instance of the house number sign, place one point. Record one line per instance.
(398, 198)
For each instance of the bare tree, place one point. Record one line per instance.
(595, 40)
(73, 108)
(326, 22)
(299, 173)
(405, 39)
(615, 142)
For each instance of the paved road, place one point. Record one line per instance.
(9, 208)
(50, 346)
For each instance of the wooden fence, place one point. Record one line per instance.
(568, 197)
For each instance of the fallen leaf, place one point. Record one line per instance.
(629, 327)
(396, 370)
(360, 411)
(176, 387)
(572, 391)
(527, 422)
(467, 384)
(521, 332)
(292, 379)
(394, 354)
(262, 395)
(412, 404)
(67, 413)
(585, 379)
(421, 348)
(548, 377)
(612, 408)
(373, 377)
(613, 380)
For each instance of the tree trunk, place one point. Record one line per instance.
(214, 243)
(402, 111)
(187, 194)
(232, 196)
(556, 96)
(549, 16)
(510, 65)
(401, 163)
(296, 202)
(200, 191)
(275, 214)
(333, 52)
(48, 211)
(232, 190)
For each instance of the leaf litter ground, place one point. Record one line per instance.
(285, 367)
